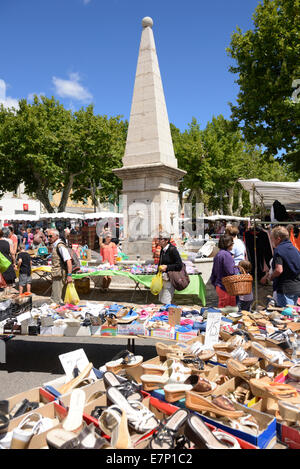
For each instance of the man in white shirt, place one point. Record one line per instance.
(61, 269)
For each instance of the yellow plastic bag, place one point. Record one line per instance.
(71, 295)
(156, 284)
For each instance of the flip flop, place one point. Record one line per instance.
(126, 360)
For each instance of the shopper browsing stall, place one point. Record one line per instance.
(169, 260)
(24, 266)
(239, 249)
(7, 250)
(109, 253)
(61, 269)
(286, 268)
(223, 266)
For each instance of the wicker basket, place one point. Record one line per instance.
(238, 284)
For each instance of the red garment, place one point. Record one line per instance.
(295, 241)
(109, 253)
(224, 298)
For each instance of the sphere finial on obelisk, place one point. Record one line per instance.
(147, 21)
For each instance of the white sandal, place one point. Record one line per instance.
(227, 439)
(22, 434)
(140, 418)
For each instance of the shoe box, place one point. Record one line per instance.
(135, 328)
(32, 395)
(90, 390)
(51, 410)
(163, 410)
(136, 438)
(285, 433)
(161, 333)
(267, 423)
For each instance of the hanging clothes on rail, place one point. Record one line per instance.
(295, 241)
(264, 251)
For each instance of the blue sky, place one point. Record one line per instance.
(85, 51)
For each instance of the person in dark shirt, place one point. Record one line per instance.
(286, 268)
(24, 266)
(169, 260)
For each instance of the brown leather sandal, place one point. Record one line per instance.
(195, 401)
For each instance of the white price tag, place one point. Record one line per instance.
(212, 329)
(75, 359)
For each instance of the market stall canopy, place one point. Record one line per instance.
(287, 193)
(217, 218)
(91, 216)
(61, 216)
(19, 217)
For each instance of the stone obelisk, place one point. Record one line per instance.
(150, 173)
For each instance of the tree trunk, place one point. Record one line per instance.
(230, 200)
(240, 202)
(66, 193)
(43, 195)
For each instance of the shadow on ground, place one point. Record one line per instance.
(39, 356)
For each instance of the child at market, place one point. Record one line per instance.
(244, 302)
(24, 266)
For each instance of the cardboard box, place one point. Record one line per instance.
(46, 330)
(161, 333)
(51, 410)
(95, 330)
(166, 409)
(136, 438)
(174, 316)
(267, 424)
(108, 331)
(135, 328)
(80, 331)
(32, 395)
(90, 390)
(185, 336)
(58, 331)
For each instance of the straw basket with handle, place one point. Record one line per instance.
(238, 284)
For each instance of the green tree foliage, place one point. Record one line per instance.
(268, 64)
(50, 148)
(215, 159)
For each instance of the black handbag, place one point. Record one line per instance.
(179, 279)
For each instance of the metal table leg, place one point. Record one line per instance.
(131, 345)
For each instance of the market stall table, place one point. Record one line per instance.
(196, 286)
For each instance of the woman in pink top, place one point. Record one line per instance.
(109, 252)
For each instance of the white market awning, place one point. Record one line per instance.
(19, 217)
(287, 193)
(216, 218)
(97, 215)
(61, 216)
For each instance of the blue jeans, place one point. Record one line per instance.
(283, 300)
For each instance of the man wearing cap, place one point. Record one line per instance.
(169, 260)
